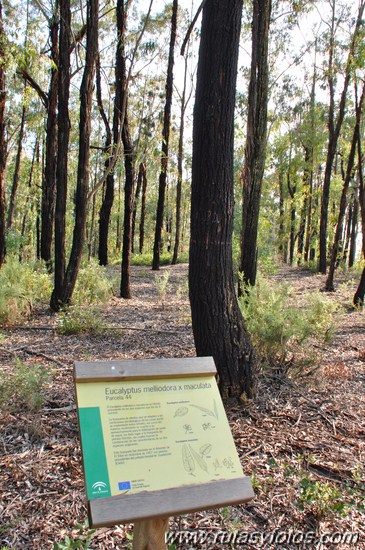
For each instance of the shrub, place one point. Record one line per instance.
(25, 388)
(82, 539)
(161, 283)
(279, 327)
(77, 320)
(92, 286)
(321, 498)
(146, 258)
(21, 285)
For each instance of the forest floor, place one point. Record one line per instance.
(302, 441)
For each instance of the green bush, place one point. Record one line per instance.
(25, 388)
(82, 539)
(161, 283)
(321, 498)
(279, 327)
(77, 320)
(22, 285)
(165, 258)
(92, 286)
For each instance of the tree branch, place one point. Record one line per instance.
(191, 27)
(28, 78)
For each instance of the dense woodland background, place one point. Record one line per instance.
(129, 174)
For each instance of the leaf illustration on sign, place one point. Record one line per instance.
(205, 449)
(209, 412)
(199, 459)
(181, 411)
(188, 461)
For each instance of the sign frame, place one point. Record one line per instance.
(151, 504)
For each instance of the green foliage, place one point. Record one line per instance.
(25, 388)
(21, 285)
(279, 327)
(82, 540)
(165, 258)
(77, 320)
(92, 286)
(268, 265)
(322, 498)
(161, 283)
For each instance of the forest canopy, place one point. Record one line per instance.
(96, 135)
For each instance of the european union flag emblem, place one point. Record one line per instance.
(124, 485)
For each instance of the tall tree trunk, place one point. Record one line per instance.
(347, 231)
(63, 138)
(353, 237)
(122, 84)
(334, 128)
(309, 229)
(329, 286)
(135, 203)
(108, 198)
(309, 151)
(14, 187)
(125, 288)
(292, 191)
(49, 179)
(307, 177)
(118, 243)
(30, 184)
(218, 327)
(83, 171)
(360, 291)
(90, 231)
(255, 150)
(180, 156)
(2, 143)
(358, 299)
(165, 142)
(143, 209)
(282, 216)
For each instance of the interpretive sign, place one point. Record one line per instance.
(149, 427)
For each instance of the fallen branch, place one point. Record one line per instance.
(68, 408)
(107, 327)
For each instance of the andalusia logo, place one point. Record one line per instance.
(99, 488)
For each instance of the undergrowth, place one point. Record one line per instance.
(92, 286)
(25, 388)
(165, 258)
(22, 285)
(281, 328)
(77, 320)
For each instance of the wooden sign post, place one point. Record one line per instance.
(156, 443)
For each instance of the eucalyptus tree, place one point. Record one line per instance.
(129, 165)
(50, 14)
(64, 79)
(335, 120)
(15, 183)
(255, 150)
(49, 180)
(218, 327)
(2, 141)
(180, 158)
(65, 279)
(346, 182)
(165, 141)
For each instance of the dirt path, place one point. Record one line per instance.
(302, 444)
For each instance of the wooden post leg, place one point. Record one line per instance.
(150, 534)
